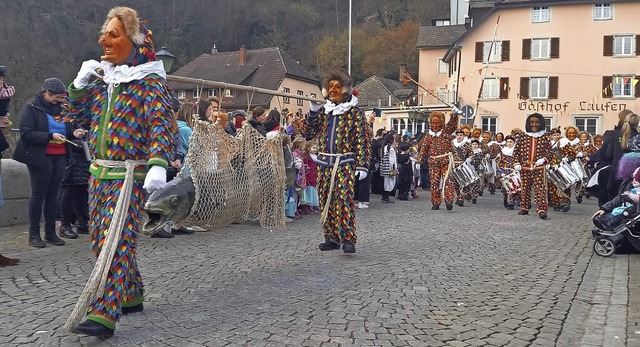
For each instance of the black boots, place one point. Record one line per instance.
(132, 309)
(51, 237)
(348, 247)
(34, 238)
(67, 232)
(92, 328)
(328, 246)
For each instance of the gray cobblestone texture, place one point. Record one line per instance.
(476, 276)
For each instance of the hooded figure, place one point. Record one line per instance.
(531, 154)
(125, 103)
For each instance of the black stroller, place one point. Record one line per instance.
(609, 238)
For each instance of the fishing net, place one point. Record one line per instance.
(236, 178)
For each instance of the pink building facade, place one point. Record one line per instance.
(574, 62)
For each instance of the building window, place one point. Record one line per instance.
(212, 92)
(228, 92)
(313, 95)
(548, 122)
(540, 14)
(195, 93)
(622, 45)
(491, 89)
(299, 101)
(489, 124)
(602, 11)
(182, 94)
(496, 51)
(285, 99)
(622, 86)
(443, 67)
(588, 124)
(540, 48)
(539, 87)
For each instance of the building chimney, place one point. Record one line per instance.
(214, 50)
(243, 54)
(403, 70)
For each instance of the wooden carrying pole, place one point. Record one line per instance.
(213, 84)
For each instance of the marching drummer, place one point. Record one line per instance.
(532, 152)
(510, 189)
(461, 151)
(563, 153)
(476, 160)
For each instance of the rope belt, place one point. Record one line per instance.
(449, 166)
(98, 277)
(334, 170)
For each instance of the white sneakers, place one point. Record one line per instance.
(362, 205)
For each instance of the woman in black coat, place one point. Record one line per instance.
(42, 148)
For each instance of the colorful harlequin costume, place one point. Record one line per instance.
(532, 152)
(344, 145)
(561, 149)
(128, 112)
(436, 149)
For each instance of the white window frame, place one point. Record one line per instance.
(492, 128)
(540, 48)
(286, 99)
(584, 118)
(182, 94)
(602, 11)
(299, 102)
(552, 121)
(491, 89)
(228, 93)
(541, 90)
(195, 93)
(623, 45)
(622, 89)
(496, 52)
(212, 92)
(540, 14)
(313, 95)
(443, 68)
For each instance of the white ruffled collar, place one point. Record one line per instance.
(330, 107)
(435, 134)
(457, 144)
(586, 143)
(508, 151)
(536, 134)
(114, 74)
(574, 141)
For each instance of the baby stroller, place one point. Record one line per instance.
(609, 238)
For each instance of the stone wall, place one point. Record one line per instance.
(16, 190)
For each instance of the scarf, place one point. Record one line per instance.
(53, 110)
(330, 107)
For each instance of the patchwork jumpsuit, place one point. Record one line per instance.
(137, 125)
(344, 137)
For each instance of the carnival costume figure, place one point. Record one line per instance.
(563, 152)
(461, 151)
(125, 103)
(584, 149)
(344, 153)
(436, 150)
(504, 167)
(531, 154)
(475, 159)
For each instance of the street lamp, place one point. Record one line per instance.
(166, 57)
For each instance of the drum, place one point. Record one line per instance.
(578, 168)
(562, 176)
(487, 167)
(511, 182)
(465, 174)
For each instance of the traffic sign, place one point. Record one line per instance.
(467, 111)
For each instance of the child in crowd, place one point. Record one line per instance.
(611, 213)
(290, 180)
(300, 184)
(405, 171)
(310, 193)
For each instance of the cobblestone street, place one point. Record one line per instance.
(476, 276)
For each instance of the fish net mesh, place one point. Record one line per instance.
(236, 178)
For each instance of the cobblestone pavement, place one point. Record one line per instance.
(476, 276)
